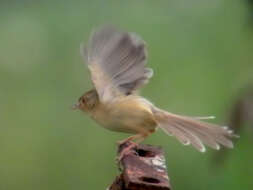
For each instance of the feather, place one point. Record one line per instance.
(197, 132)
(117, 61)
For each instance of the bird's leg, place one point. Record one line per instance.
(128, 139)
(138, 138)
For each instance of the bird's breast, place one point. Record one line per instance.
(125, 115)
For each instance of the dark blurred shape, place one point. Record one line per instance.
(143, 169)
(241, 115)
(250, 3)
(242, 112)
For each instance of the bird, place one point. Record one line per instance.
(117, 61)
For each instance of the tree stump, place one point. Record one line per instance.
(143, 169)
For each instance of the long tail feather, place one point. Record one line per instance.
(189, 130)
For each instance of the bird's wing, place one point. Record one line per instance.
(117, 62)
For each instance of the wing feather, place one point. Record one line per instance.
(117, 62)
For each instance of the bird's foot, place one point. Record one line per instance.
(127, 148)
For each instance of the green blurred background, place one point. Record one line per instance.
(200, 50)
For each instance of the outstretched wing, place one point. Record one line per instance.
(117, 62)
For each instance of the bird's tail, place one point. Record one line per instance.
(190, 130)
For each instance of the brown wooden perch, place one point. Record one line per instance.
(143, 169)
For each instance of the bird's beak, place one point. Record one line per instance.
(75, 106)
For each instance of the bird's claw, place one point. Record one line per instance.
(126, 151)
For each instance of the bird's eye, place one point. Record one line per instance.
(82, 100)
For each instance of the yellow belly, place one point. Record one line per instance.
(129, 114)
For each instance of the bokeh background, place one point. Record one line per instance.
(202, 55)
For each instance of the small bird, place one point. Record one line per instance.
(117, 63)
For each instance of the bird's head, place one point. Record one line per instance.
(87, 102)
